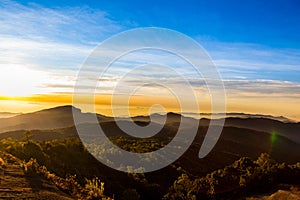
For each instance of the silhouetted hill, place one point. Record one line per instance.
(8, 114)
(236, 115)
(289, 130)
(240, 137)
(233, 143)
(60, 117)
(57, 145)
(52, 118)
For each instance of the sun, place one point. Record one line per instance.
(19, 81)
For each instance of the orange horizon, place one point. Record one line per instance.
(141, 105)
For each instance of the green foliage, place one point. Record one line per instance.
(27, 136)
(182, 189)
(138, 145)
(243, 175)
(69, 156)
(31, 167)
(68, 184)
(93, 189)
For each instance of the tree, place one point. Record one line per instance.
(28, 136)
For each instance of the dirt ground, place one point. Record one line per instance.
(14, 184)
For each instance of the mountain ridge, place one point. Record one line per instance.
(62, 116)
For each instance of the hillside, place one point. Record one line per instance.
(14, 184)
(51, 137)
(8, 114)
(240, 137)
(286, 129)
(233, 143)
(61, 117)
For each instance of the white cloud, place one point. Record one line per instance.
(55, 43)
(254, 61)
(73, 24)
(42, 46)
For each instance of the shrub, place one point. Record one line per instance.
(94, 188)
(31, 167)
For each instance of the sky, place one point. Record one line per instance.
(255, 46)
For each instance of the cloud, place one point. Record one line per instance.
(234, 88)
(68, 24)
(41, 54)
(49, 45)
(262, 88)
(56, 41)
(254, 61)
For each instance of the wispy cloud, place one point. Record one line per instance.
(46, 45)
(71, 24)
(253, 61)
(42, 50)
(41, 54)
(234, 88)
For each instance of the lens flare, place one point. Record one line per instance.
(274, 137)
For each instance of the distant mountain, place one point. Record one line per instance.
(61, 117)
(241, 137)
(171, 118)
(289, 130)
(236, 115)
(52, 118)
(8, 114)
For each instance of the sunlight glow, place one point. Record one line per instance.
(18, 81)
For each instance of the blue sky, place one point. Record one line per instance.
(272, 23)
(254, 44)
(264, 34)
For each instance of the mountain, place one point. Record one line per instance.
(52, 118)
(286, 129)
(62, 117)
(8, 114)
(63, 152)
(235, 115)
(234, 142)
(239, 134)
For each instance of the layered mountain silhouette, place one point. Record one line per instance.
(240, 137)
(8, 114)
(52, 118)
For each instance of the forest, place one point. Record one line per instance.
(68, 164)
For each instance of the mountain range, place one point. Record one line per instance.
(240, 136)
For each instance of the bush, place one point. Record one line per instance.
(31, 167)
(244, 175)
(94, 188)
